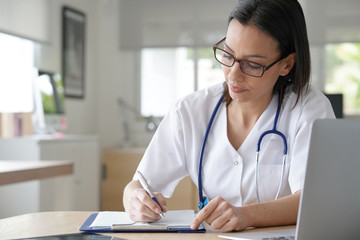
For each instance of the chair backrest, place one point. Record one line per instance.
(336, 101)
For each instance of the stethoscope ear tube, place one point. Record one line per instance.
(257, 177)
(276, 132)
(282, 176)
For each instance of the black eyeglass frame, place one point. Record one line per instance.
(264, 68)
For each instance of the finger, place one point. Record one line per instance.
(144, 197)
(228, 221)
(229, 226)
(162, 201)
(203, 214)
(148, 206)
(140, 212)
(221, 212)
(218, 222)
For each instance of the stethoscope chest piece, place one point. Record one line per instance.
(202, 203)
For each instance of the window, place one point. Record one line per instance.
(166, 75)
(16, 74)
(170, 37)
(170, 73)
(209, 70)
(343, 74)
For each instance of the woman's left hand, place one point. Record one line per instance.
(221, 215)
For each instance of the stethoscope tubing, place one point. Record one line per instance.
(203, 200)
(276, 132)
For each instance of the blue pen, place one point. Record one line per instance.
(147, 189)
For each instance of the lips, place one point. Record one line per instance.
(235, 89)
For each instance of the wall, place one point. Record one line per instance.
(117, 71)
(109, 75)
(81, 113)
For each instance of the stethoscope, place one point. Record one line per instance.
(204, 200)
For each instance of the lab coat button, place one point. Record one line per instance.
(236, 163)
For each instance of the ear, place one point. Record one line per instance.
(287, 64)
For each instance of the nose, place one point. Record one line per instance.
(235, 73)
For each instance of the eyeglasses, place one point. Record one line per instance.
(248, 67)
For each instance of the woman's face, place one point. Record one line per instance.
(247, 42)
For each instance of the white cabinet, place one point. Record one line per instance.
(80, 191)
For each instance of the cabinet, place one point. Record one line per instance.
(79, 191)
(119, 168)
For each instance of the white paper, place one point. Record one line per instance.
(173, 219)
(107, 219)
(178, 218)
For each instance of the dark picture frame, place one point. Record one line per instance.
(73, 52)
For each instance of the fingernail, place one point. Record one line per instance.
(157, 210)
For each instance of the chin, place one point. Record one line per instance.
(237, 98)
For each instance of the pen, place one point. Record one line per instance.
(147, 189)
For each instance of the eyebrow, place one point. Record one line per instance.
(248, 56)
(229, 47)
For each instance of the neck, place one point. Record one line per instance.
(249, 112)
(241, 118)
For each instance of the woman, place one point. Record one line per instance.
(266, 63)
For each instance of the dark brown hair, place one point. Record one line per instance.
(283, 20)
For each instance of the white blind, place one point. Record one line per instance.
(25, 18)
(16, 74)
(332, 21)
(173, 23)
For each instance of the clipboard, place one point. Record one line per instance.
(154, 227)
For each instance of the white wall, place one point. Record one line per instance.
(109, 75)
(116, 73)
(81, 113)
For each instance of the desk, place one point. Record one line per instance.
(53, 223)
(83, 185)
(20, 171)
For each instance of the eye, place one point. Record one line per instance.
(227, 56)
(251, 65)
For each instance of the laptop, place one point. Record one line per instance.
(330, 200)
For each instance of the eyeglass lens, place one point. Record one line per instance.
(227, 59)
(247, 67)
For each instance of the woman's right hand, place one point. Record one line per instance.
(140, 206)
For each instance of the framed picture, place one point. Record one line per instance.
(73, 52)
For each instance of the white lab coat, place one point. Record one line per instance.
(173, 152)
